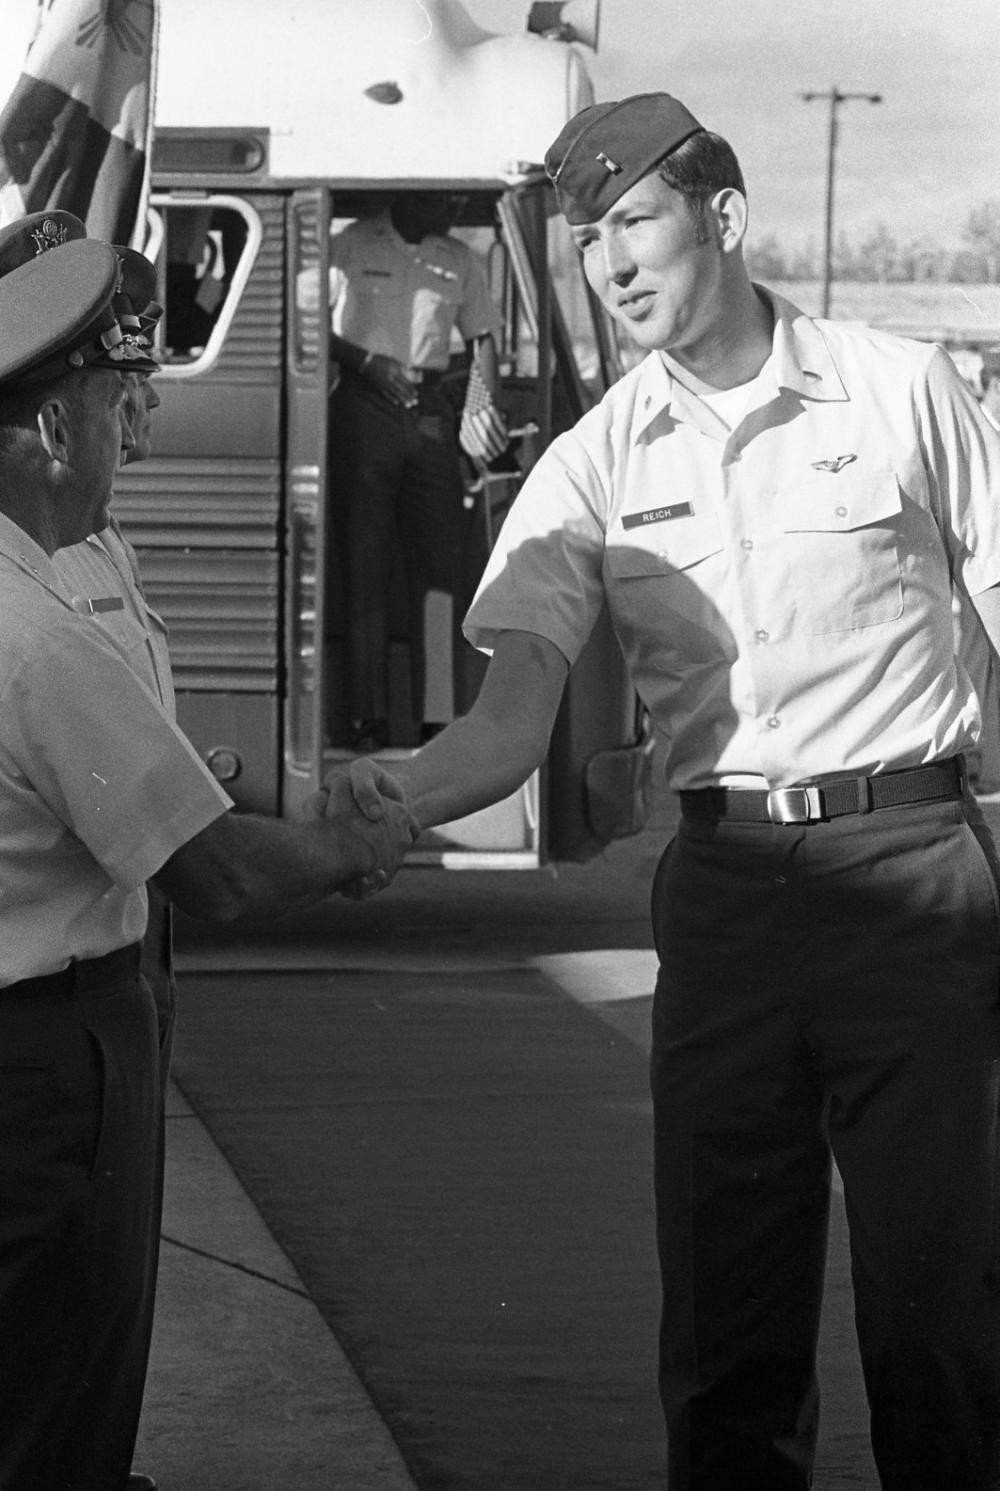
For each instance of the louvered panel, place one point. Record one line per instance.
(200, 503)
(221, 609)
(253, 346)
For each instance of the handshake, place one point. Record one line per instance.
(366, 808)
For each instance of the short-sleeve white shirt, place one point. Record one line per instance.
(782, 590)
(98, 787)
(402, 300)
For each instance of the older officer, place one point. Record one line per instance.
(102, 576)
(774, 509)
(100, 792)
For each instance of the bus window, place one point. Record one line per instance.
(203, 252)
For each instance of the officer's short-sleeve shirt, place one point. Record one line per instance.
(98, 787)
(403, 300)
(782, 590)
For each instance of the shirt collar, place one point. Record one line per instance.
(27, 555)
(800, 361)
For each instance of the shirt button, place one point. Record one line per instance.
(773, 722)
(761, 636)
(841, 512)
(746, 543)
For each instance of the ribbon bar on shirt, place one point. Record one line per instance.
(657, 515)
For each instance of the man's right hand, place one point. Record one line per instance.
(374, 808)
(392, 378)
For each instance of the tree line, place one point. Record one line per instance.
(882, 258)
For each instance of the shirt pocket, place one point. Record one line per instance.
(842, 534)
(663, 549)
(664, 582)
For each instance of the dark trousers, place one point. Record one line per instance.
(830, 988)
(80, 1168)
(394, 471)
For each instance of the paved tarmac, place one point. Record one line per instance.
(248, 1387)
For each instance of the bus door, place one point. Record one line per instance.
(599, 768)
(307, 497)
(204, 511)
(509, 834)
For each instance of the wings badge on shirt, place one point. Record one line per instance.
(837, 464)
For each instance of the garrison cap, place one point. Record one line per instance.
(605, 149)
(57, 291)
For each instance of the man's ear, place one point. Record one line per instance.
(54, 429)
(728, 209)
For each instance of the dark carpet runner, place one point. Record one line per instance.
(459, 1168)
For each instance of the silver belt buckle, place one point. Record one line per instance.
(794, 804)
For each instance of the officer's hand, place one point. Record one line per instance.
(392, 378)
(374, 790)
(371, 784)
(381, 818)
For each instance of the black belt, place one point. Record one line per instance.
(422, 377)
(819, 801)
(82, 976)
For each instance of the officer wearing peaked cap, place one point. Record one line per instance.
(102, 577)
(774, 510)
(57, 298)
(101, 793)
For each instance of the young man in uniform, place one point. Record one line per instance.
(775, 510)
(100, 793)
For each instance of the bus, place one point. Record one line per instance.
(272, 126)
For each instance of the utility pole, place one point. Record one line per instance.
(836, 98)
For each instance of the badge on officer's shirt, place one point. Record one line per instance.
(98, 605)
(657, 515)
(837, 464)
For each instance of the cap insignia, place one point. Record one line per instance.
(50, 234)
(609, 165)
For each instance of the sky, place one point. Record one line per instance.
(918, 163)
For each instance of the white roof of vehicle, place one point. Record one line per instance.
(368, 90)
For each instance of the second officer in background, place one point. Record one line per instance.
(400, 284)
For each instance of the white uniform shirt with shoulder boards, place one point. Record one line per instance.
(98, 787)
(402, 299)
(782, 590)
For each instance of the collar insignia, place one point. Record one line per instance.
(837, 464)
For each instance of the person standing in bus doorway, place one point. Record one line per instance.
(401, 283)
(101, 794)
(775, 510)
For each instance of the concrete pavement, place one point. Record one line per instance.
(248, 1387)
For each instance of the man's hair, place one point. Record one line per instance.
(703, 165)
(20, 402)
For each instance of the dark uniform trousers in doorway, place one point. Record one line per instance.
(828, 987)
(395, 471)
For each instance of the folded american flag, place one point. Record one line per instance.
(483, 431)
